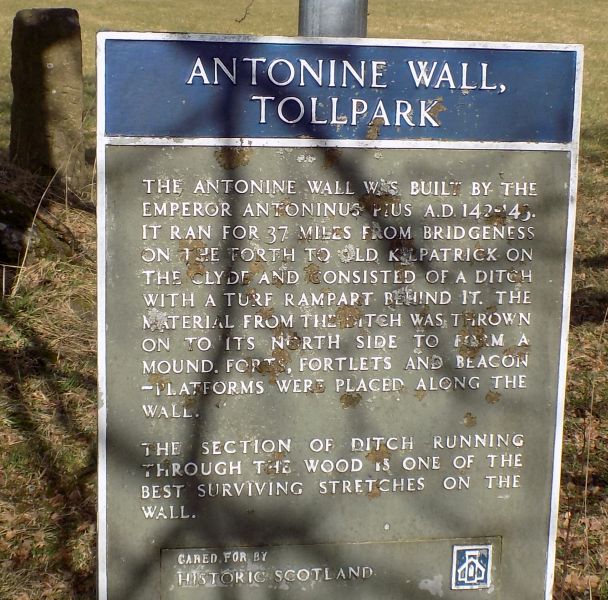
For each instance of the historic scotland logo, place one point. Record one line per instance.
(471, 567)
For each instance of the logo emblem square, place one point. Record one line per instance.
(471, 567)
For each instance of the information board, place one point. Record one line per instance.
(334, 281)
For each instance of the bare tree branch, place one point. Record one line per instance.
(246, 12)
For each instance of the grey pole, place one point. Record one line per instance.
(333, 18)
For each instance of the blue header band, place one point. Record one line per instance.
(193, 88)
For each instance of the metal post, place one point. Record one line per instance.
(333, 18)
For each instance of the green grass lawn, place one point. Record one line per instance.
(47, 330)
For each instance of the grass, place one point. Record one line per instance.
(47, 347)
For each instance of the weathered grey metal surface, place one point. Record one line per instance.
(386, 495)
(333, 18)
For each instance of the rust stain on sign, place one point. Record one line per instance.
(481, 251)
(266, 312)
(376, 203)
(379, 455)
(437, 108)
(470, 420)
(195, 270)
(517, 276)
(275, 464)
(281, 356)
(492, 397)
(193, 250)
(517, 351)
(158, 380)
(281, 209)
(404, 249)
(275, 365)
(231, 158)
(373, 130)
(347, 317)
(375, 492)
(280, 330)
(498, 216)
(473, 339)
(257, 266)
(192, 253)
(318, 387)
(270, 368)
(294, 342)
(350, 399)
(313, 273)
(250, 365)
(189, 401)
(331, 157)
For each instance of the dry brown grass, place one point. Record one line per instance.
(48, 416)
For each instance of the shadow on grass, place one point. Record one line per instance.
(74, 505)
(594, 146)
(595, 262)
(589, 305)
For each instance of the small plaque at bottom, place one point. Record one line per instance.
(456, 568)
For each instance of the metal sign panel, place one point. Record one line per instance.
(334, 281)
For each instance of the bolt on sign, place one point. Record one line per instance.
(334, 286)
